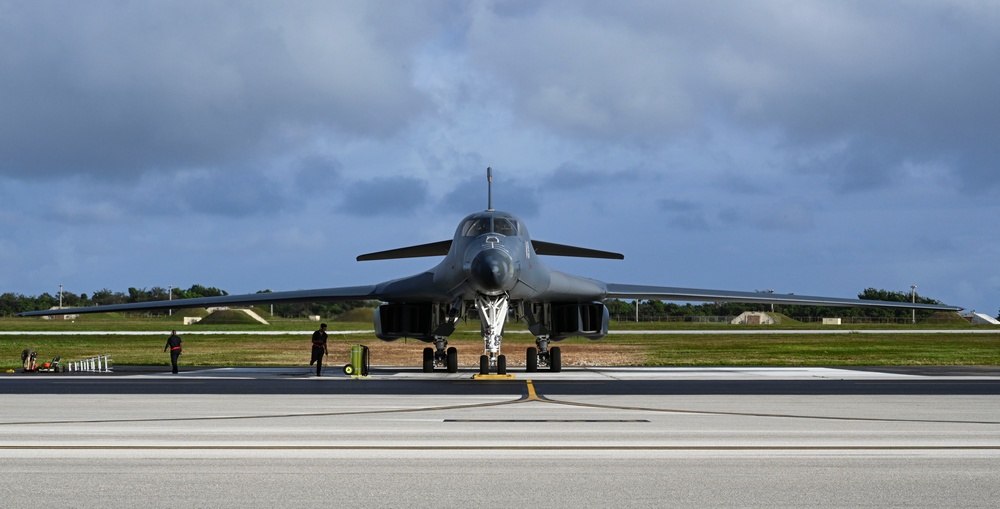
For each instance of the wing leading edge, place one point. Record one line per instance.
(626, 291)
(366, 292)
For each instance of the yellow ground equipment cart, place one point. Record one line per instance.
(360, 362)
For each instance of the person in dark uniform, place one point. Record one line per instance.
(174, 344)
(319, 348)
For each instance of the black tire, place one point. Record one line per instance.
(428, 360)
(555, 359)
(501, 364)
(452, 360)
(484, 365)
(532, 360)
(348, 369)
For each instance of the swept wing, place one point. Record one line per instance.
(627, 291)
(324, 294)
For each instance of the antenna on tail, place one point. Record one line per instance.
(489, 187)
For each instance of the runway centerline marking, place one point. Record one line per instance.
(532, 395)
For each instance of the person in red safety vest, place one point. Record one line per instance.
(319, 348)
(174, 344)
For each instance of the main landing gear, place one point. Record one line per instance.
(544, 356)
(492, 313)
(443, 356)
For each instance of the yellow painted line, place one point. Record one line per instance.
(532, 395)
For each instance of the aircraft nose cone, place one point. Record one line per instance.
(492, 271)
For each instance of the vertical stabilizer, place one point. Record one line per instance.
(489, 189)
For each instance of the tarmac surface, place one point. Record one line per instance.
(585, 437)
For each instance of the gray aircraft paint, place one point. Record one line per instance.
(492, 261)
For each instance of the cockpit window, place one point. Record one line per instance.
(476, 227)
(504, 227)
(481, 226)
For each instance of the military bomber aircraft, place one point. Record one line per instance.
(492, 266)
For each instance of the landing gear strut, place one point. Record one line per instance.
(492, 314)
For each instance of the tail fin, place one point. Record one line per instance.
(489, 189)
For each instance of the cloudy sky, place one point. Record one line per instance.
(811, 147)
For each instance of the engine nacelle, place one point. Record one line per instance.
(423, 321)
(394, 321)
(567, 319)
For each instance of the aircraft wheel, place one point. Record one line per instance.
(484, 365)
(348, 369)
(428, 360)
(502, 365)
(555, 359)
(532, 364)
(453, 360)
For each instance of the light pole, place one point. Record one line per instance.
(60, 297)
(170, 296)
(913, 300)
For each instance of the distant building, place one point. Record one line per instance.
(754, 318)
(979, 318)
(60, 317)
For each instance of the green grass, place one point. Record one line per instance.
(824, 350)
(869, 349)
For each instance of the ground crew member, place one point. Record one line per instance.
(319, 348)
(174, 344)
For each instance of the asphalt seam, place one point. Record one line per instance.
(506, 447)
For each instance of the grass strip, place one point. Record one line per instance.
(622, 349)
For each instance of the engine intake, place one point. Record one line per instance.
(586, 319)
(394, 321)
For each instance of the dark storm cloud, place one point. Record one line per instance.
(471, 195)
(683, 215)
(397, 196)
(120, 88)
(772, 217)
(236, 194)
(902, 82)
(316, 175)
(573, 177)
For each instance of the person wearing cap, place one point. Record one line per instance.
(319, 348)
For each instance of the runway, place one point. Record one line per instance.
(657, 437)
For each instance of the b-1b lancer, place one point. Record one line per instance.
(493, 267)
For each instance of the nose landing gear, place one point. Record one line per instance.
(492, 314)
